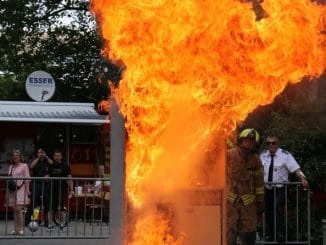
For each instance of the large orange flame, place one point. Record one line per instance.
(193, 69)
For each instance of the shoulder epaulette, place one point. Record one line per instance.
(285, 152)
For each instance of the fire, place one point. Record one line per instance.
(152, 230)
(193, 69)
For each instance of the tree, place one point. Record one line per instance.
(59, 37)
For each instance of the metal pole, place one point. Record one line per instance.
(117, 177)
(67, 148)
(323, 221)
(309, 220)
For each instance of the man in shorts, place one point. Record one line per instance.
(58, 189)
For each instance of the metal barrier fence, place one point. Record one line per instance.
(290, 223)
(85, 212)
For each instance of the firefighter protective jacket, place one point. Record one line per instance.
(245, 177)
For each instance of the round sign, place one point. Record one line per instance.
(40, 86)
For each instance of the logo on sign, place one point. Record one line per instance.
(40, 86)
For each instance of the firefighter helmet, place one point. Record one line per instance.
(249, 133)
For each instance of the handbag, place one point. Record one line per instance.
(12, 184)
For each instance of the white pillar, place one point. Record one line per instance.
(117, 177)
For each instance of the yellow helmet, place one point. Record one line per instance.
(251, 133)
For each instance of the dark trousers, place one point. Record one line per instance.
(242, 222)
(39, 197)
(275, 212)
(57, 196)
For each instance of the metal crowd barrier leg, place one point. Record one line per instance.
(323, 221)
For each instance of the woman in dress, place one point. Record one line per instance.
(19, 198)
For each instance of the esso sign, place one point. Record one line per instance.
(40, 86)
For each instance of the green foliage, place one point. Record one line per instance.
(10, 87)
(59, 37)
(299, 119)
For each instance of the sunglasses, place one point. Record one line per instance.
(271, 142)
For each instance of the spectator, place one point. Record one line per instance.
(277, 163)
(245, 188)
(17, 197)
(39, 168)
(58, 189)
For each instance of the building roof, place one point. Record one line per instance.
(50, 112)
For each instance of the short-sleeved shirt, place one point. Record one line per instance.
(59, 170)
(283, 162)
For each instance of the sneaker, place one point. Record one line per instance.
(50, 228)
(63, 227)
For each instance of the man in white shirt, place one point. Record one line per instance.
(278, 163)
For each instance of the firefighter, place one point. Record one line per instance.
(245, 188)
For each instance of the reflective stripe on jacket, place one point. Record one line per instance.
(244, 176)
